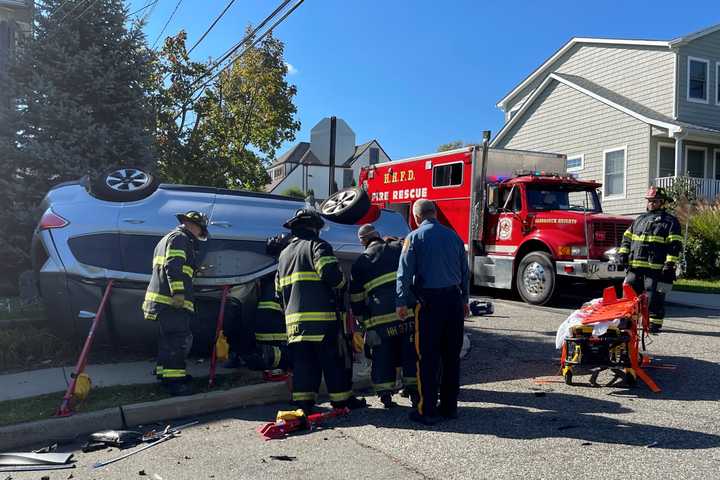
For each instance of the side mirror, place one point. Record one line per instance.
(85, 315)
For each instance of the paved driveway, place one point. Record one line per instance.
(509, 427)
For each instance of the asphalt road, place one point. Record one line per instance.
(511, 425)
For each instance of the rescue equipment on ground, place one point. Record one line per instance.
(78, 377)
(481, 307)
(608, 337)
(289, 421)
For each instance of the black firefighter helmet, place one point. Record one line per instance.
(199, 219)
(305, 218)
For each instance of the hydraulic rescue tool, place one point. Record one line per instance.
(295, 420)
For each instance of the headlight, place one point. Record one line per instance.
(578, 251)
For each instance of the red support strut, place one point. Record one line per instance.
(218, 329)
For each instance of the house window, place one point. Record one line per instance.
(447, 175)
(614, 166)
(717, 83)
(277, 173)
(575, 163)
(347, 178)
(666, 161)
(697, 80)
(716, 165)
(374, 155)
(695, 162)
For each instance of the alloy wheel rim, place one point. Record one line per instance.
(339, 202)
(127, 180)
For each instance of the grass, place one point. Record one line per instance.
(12, 308)
(696, 285)
(44, 406)
(28, 346)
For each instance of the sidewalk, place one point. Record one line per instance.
(50, 380)
(691, 299)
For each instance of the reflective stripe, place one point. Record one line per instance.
(158, 370)
(357, 297)
(276, 357)
(299, 277)
(648, 238)
(306, 338)
(271, 337)
(165, 300)
(177, 285)
(159, 260)
(174, 373)
(672, 259)
(171, 253)
(269, 305)
(644, 264)
(188, 270)
(322, 261)
(410, 381)
(656, 321)
(302, 396)
(379, 387)
(673, 237)
(627, 234)
(341, 284)
(150, 316)
(382, 319)
(292, 318)
(381, 280)
(623, 250)
(339, 396)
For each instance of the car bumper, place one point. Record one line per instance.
(590, 269)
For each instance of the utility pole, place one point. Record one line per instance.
(331, 169)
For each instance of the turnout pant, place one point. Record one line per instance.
(174, 343)
(313, 360)
(393, 352)
(646, 280)
(439, 322)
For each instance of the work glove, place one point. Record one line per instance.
(372, 339)
(668, 273)
(178, 300)
(623, 259)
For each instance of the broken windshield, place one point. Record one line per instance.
(562, 197)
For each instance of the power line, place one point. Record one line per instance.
(212, 25)
(232, 62)
(147, 5)
(177, 5)
(59, 23)
(88, 8)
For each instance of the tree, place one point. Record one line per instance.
(450, 146)
(78, 84)
(236, 126)
(295, 192)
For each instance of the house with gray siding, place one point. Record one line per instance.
(628, 113)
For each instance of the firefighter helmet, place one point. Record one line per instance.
(305, 217)
(199, 219)
(656, 193)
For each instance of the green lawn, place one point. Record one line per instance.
(44, 406)
(695, 285)
(12, 308)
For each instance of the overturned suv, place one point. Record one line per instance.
(95, 230)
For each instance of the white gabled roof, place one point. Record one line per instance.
(608, 98)
(574, 41)
(693, 36)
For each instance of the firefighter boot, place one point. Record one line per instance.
(386, 399)
(178, 388)
(353, 403)
(656, 325)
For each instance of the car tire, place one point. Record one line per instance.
(346, 206)
(535, 279)
(124, 184)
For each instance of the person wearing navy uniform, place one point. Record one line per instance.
(434, 271)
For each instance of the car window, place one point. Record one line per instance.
(99, 250)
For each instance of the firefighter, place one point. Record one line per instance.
(373, 300)
(309, 283)
(650, 249)
(434, 269)
(170, 299)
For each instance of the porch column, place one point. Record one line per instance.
(679, 155)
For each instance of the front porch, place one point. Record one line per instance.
(706, 188)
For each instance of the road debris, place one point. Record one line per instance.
(283, 458)
(32, 458)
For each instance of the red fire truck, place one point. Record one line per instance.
(537, 225)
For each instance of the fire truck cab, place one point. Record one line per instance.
(526, 224)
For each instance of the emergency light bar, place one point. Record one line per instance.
(538, 173)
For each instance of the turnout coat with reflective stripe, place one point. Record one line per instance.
(174, 263)
(308, 272)
(652, 240)
(372, 287)
(269, 319)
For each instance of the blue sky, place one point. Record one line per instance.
(418, 73)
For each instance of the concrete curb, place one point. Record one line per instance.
(69, 428)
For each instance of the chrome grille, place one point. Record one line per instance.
(608, 234)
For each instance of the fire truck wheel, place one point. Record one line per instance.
(346, 206)
(535, 279)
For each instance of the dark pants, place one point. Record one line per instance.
(394, 351)
(438, 339)
(174, 343)
(313, 360)
(646, 280)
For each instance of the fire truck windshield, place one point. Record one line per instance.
(562, 197)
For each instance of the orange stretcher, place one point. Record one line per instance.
(618, 349)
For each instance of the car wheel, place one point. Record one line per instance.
(346, 206)
(124, 184)
(535, 279)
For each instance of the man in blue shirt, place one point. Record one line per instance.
(434, 271)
